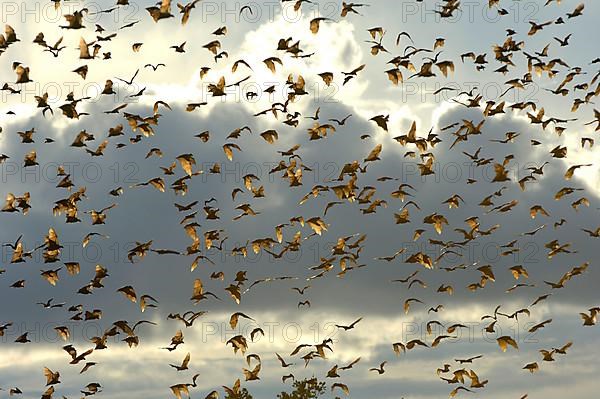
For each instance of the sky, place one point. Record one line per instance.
(343, 287)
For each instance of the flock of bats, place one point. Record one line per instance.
(511, 56)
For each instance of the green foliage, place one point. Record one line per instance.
(305, 389)
(243, 394)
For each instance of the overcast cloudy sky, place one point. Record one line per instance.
(506, 237)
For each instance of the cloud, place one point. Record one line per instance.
(145, 214)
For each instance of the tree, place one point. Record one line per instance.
(243, 394)
(308, 388)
